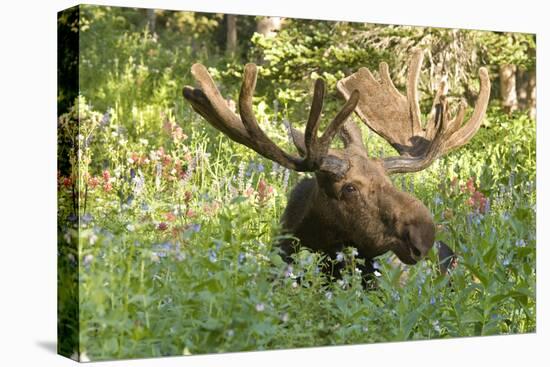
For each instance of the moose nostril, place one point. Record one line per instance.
(415, 242)
(416, 252)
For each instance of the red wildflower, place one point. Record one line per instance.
(170, 217)
(162, 226)
(93, 182)
(107, 186)
(264, 190)
(470, 186)
(106, 176)
(67, 182)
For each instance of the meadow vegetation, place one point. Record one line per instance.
(168, 230)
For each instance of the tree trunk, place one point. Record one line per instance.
(508, 93)
(151, 20)
(532, 93)
(521, 87)
(231, 44)
(269, 26)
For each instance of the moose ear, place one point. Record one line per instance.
(336, 168)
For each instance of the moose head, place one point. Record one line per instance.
(351, 200)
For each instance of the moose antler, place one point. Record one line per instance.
(396, 117)
(209, 103)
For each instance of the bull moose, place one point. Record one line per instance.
(350, 200)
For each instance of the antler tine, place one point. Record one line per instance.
(260, 142)
(413, 71)
(431, 126)
(444, 129)
(338, 121)
(396, 117)
(209, 103)
(469, 129)
(312, 125)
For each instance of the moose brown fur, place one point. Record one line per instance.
(351, 201)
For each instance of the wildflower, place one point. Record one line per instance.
(249, 192)
(178, 135)
(67, 182)
(275, 168)
(520, 243)
(432, 300)
(354, 252)
(294, 284)
(328, 295)
(260, 307)
(365, 329)
(130, 227)
(106, 118)
(93, 182)
(162, 226)
(88, 259)
(170, 217)
(288, 271)
(107, 187)
(212, 256)
(230, 333)
(438, 200)
(240, 176)
(196, 227)
(167, 126)
(339, 256)
(106, 176)
(92, 239)
(241, 258)
(264, 191)
(138, 182)
(436, 326)
(284, 317)
(86, 218)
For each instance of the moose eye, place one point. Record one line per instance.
(348, 189)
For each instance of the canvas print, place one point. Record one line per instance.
(234, 183)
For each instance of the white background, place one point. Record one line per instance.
(28, 189)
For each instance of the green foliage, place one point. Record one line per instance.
(176, 247)
(303, 51)
(509, 48)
